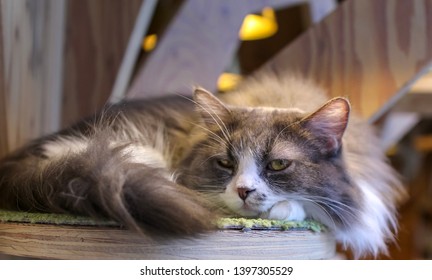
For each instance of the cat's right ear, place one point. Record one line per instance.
(328, 124)
(212, 111)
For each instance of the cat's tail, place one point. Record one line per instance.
(98, 177)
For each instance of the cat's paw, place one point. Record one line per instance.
(286, 210)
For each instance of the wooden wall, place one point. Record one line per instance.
(32, 47)
(369, 50)
(97, 33)
(3, 123)
(58, 62)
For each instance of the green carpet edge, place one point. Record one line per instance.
(223, 223)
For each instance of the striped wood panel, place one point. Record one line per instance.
(369, 50)
(96, 39)
(3, 123)
(32, 44)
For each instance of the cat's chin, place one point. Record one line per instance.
(239, 207)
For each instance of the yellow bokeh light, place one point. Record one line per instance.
(228, 81)
(257, 27)
(149, 42)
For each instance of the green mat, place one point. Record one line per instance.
(56, 219)
(264, 224)
(224, 223)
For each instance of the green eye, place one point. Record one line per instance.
(278, 164)
(225, 163)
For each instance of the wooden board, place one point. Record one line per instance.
(3, 123)
(77, 242)
(369, 50)
(134, 46)
(97, 35)
(200, 44)
(32, 44)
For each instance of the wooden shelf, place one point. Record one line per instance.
(93, 242)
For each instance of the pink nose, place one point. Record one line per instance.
(244, 192)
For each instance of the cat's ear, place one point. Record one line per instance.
(328, 124)
(211, 109)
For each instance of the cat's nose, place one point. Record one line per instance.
(243, 192)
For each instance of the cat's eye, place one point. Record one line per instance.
(225, 163)
(278, 164)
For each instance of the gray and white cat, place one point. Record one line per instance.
(274, 148)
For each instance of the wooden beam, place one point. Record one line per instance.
(423, 85)
(32, 64)
(420, 103)
(396, 125)
(133, 49)
(407, 112)
(371, 51)
(198, 46)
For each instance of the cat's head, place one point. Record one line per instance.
(253, 159)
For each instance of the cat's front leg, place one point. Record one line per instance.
(286, 210)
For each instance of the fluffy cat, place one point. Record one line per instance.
(273, 148)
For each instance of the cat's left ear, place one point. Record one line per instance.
(211, 109)
(328, 124)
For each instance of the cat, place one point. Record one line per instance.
(273, 148)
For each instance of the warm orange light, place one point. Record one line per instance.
(257, 27)
(149, 42)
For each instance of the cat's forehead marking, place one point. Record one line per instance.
(247, 166)
(286, 150)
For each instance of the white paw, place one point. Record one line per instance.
(286, 210)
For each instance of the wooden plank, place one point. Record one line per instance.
(97, 35)
(396, 125)
(423, 85)
(420, 103)
(133, 49)
(75, 242)
(371, 51)
(407, 112)
(3, 123)
(32, 64)
(197, 47)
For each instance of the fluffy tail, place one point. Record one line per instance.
(97, 178)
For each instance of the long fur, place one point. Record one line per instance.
(379, 187)
(154, 165)
(105, 167)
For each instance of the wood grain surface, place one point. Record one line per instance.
(370, 51)
(97, 35)
(3, 121)
(75, 242)
(32, 44)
